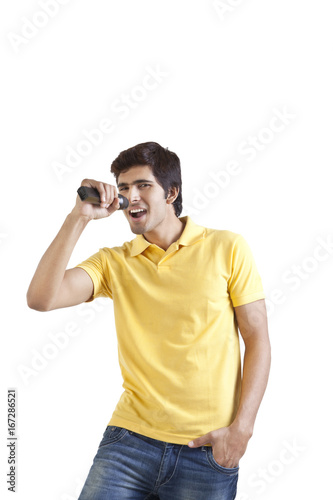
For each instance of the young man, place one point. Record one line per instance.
(180, 293)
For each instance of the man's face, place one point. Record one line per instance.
(143, 192)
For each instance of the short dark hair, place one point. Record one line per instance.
(165, 166)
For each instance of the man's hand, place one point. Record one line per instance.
(109, 201)
(228, 445)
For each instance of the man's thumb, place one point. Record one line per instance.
(199, 441)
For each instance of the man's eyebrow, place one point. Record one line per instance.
(135, 182)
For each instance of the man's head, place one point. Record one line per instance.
(164, 164)
(161, 196)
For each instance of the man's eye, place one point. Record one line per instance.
(140, 185)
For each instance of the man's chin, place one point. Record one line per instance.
(136, 229)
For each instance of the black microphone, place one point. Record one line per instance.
(91, 195)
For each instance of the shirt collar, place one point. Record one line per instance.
(190, 235)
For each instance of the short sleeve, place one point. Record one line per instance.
(244, 284)
(95, 266)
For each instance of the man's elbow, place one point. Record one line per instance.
(37, 303)
(259, 340)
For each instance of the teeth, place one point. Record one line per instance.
(137, 210)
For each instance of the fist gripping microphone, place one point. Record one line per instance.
(91, 195)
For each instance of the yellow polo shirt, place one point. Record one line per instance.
(178, 343)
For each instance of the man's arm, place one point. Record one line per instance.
(229, 443)
(53, 286)
(252, 324)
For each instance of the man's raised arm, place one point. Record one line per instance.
(52, 286)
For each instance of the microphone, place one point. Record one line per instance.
(91, 195)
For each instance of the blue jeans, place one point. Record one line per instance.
(129, 466)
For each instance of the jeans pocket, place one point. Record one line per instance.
(112, 434)
(212, 462)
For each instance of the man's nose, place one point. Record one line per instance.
(133, 194)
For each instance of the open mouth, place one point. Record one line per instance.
(137, 214)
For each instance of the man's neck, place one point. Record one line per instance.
(166, 233)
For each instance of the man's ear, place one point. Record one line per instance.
(173, 193)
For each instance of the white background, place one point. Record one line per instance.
(223, 77)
